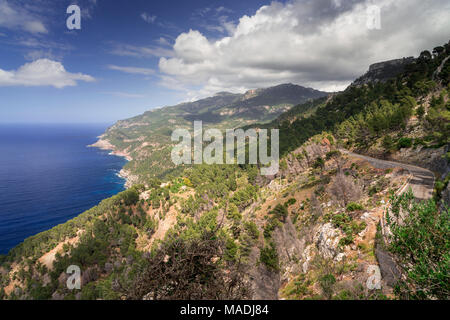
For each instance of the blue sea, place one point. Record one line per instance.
(48, 175)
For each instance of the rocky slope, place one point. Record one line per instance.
(383, 71)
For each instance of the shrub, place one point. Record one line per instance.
(280, 212)
(231, 249)
(353, 206)
(421, 245)
(290, 202)
(251, 229)
(326, 283)
(319, 163)
(332, 154)
(270, 227)
(404, 143)
(269, 257)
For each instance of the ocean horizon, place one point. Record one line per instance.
(49, 175)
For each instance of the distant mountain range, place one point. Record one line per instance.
(145, 139)
(258, 105)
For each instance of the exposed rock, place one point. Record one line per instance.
(431, 159)
(90, 274)
(327, 240)
(265, 283)
(363, 233)
(130, 178)
(306, 257)
(289, 248)
(383, 71)
(62, 279)
(388, 268)
(339, 257)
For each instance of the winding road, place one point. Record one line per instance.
(421, 181)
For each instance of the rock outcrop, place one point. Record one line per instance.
(383, 71)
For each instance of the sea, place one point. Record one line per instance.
(48, 176)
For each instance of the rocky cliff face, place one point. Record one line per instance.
(383, 71)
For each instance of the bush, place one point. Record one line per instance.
(326, 283)
(270, 227)
(353, 206)
(404, 143)
(231, 249)
(319, 163)
(421, 245)
(332, 154)
(290, 202)
(269, 257)
(251, 229)
(280, 212)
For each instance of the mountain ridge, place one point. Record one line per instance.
(145, 139)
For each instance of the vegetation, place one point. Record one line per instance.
(421, 242)
(269, 257)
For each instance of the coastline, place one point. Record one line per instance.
(104, 144)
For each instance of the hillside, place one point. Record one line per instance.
(145, 139)
(316, 230)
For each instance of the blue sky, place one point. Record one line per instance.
(131, 56)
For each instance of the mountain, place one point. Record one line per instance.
(333, 223)
(383, 71)
(145, 139)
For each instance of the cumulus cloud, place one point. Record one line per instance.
(324, 44)
(37, 54)
(16, 18)
(132, 70)
(42, 72)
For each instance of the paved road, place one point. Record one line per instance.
(421, 183)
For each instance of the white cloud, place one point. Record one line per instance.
(16, 18)
(125, 94)
(132, 70)
(163, 41)
(223, 9)
(87, 7)
(40, 54)
(42, 72)
(324, 44)
(148, 18)
(140, 51)
(214, 19)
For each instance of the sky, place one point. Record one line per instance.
(133, 55)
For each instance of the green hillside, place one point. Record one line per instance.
(146, 138)
(225, 232)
